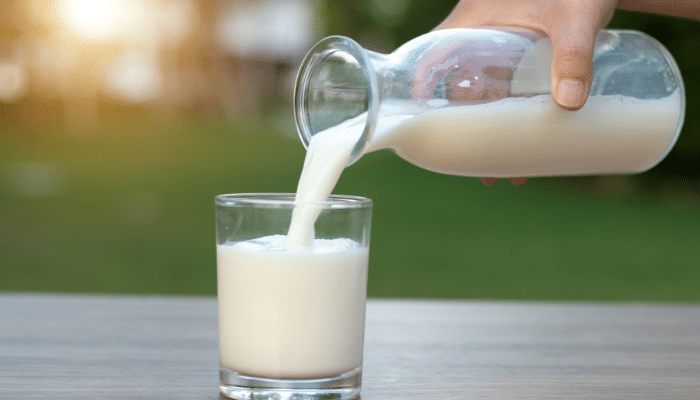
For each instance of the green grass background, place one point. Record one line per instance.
(432, 235)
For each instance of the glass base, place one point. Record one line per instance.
(243, 387)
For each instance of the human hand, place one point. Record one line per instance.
(571, 25)
(461, 78)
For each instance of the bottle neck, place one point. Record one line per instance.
(336, 83)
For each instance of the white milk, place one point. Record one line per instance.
(291, 314)
(518, 137)
(328, 154)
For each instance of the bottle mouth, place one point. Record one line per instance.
(336, 83)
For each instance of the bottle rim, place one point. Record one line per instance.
(313, 58)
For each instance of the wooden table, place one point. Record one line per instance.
(140, 348)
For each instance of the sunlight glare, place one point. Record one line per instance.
(92, 19)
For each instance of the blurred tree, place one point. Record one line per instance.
(396, 21)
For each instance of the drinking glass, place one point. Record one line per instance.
(291, 321)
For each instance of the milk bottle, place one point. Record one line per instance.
(476, 102)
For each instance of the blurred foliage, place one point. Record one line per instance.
(134, 210)
(136, 215)
(385, 25)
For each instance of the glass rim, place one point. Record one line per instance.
(288, 200)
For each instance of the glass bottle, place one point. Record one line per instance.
(477, 102)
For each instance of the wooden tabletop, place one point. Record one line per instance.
(141, 348)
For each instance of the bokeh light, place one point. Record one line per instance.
(135, 77)
(36, 179)
(94, 19)
(13, 81)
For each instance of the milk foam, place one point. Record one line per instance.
(277, 244)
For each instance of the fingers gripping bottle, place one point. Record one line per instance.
(477, 102)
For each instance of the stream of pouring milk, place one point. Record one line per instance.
(506, 138)
(327, 155)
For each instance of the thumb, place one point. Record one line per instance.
(572, 58)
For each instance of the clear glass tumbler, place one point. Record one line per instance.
(291, 322)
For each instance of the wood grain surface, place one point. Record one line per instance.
(139, 348)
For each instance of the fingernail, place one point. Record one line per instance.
(518, 181)
(570, 93)
(488, 181)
